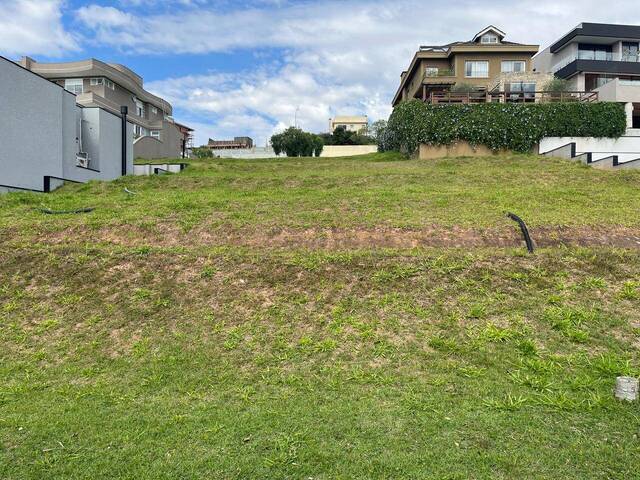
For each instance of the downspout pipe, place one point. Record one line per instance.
(124, 110)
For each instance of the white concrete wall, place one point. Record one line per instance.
(615, 91)
(331, 151)
(149, 169)
(627, 148)
(248, 153)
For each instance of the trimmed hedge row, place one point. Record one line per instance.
(511, 126)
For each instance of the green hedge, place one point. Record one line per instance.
(511, 126)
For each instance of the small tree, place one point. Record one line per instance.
(557, 85)
(463, 87)
(376, 131)
(296, 143)
(202, 152)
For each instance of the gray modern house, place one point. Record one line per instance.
(598, 57)
(47, 138)
(110, 86)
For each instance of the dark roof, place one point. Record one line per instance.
(606, 30)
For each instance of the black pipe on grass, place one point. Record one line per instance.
(524, 229)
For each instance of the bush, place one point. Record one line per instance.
(463, 88)
(342, 136)
(202, 152)
(557, 85)
(511, 126)
(296, 143)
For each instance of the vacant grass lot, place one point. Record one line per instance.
(257, 319)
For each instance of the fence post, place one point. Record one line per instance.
(124, 110)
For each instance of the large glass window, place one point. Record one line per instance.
(513, 66)
(74, 85)
(522, 91)
(431, 71)
(594, 52)
(489, 38)
(630, 52)
(476, 69)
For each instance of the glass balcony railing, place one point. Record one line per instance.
(439, 73)
(595, 55)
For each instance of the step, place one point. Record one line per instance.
(605, 163)
(629, 165)
(565, 151)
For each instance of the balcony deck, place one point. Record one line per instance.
(510, 97)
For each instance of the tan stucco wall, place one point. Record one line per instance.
(330, 151)
(458, 149)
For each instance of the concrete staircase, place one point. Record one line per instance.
(603, 153)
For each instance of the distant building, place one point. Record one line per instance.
(359, 123)
(496, 70)
(110, 86)
(238, 143)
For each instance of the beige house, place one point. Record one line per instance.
(110, 86)
(359, 123)
(482, 63)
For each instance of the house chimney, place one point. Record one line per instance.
(26, 62)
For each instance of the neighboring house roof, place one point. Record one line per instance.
(117, 73)
(351, 119)
(447, 50)
(590, 30)
(488, 29)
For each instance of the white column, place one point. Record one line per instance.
(628, 108)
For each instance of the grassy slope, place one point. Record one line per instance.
(232, 362)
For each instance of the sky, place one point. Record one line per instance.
(254, 67)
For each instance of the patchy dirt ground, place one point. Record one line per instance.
(169, 235)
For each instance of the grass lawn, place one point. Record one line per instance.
(370, 318)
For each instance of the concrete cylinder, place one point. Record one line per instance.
(626, 388)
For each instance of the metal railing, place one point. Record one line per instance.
(440, 73)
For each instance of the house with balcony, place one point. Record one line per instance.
(601, 58)
(48, 139)
(110, 86)
(492, 69)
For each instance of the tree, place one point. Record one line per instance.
(296, 143)
(557, 85)
(376, 131)
(463, 87)
(202, 152)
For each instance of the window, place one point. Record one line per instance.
(154, 110)
(630, 52)
(476, 69)
(155, 134)
(109, 84)
(97, 81)
(139, 107)
(74, 85)
(515, 66)
(431, 71)
(594, 52)
(489, 38)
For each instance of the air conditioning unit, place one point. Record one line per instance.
(82, 159)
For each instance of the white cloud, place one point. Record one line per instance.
(340, 57)
(32, 27)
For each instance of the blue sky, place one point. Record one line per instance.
(244, 67)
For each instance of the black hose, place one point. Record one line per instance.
(64, 212)
(525, 230)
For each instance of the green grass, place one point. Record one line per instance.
(207, 357)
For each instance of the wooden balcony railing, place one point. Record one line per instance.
(511, 97)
